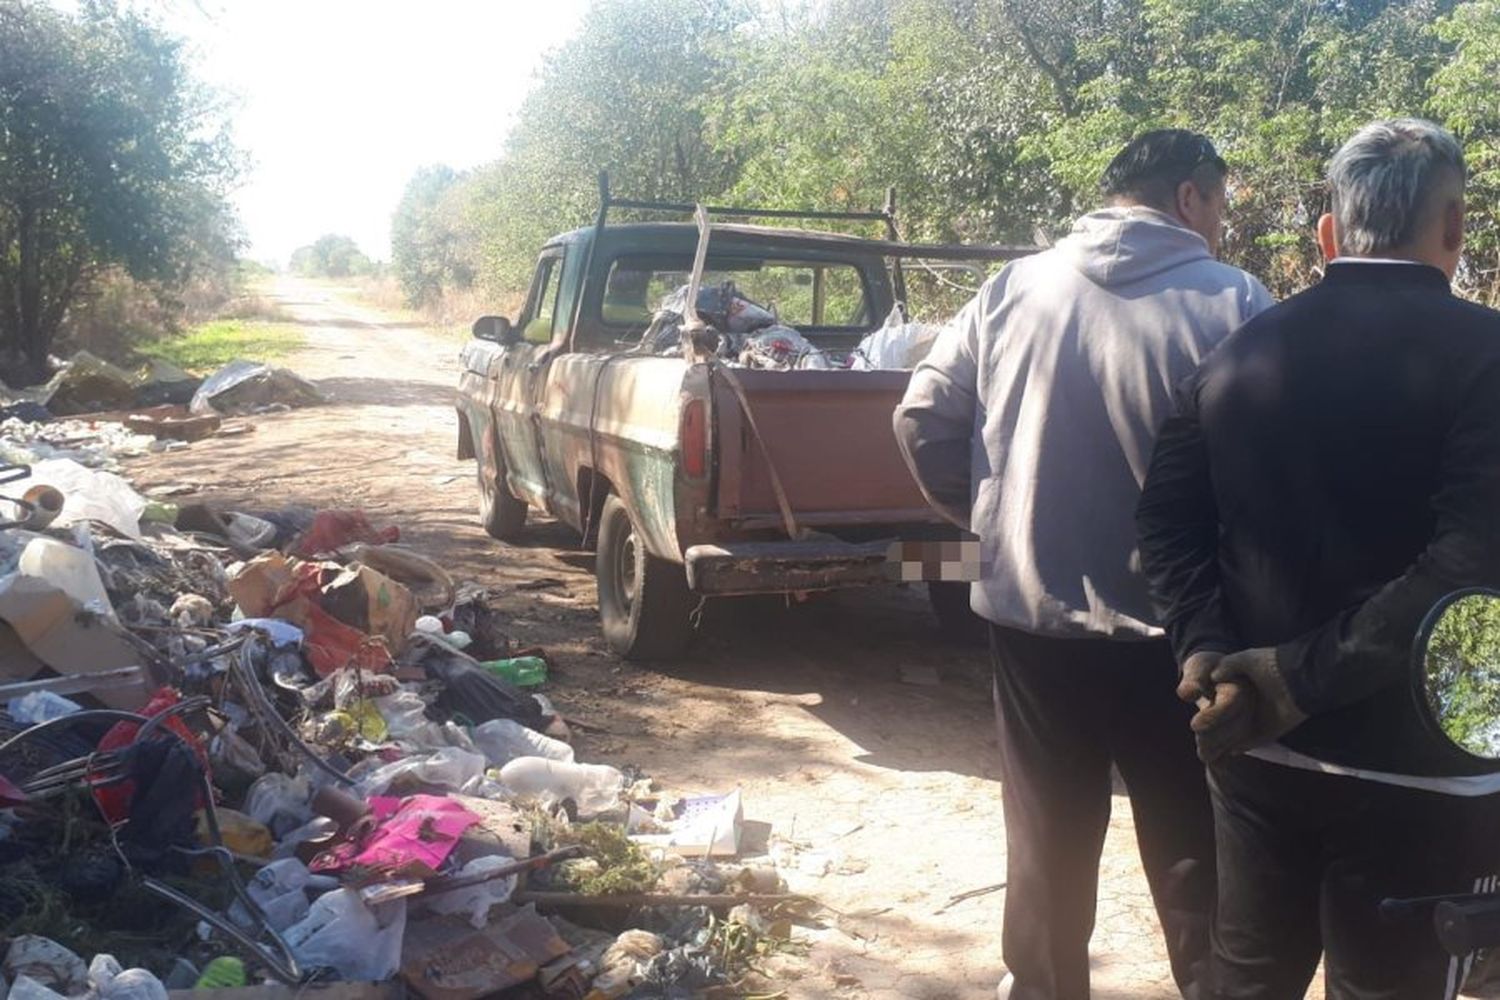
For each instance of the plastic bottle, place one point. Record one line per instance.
(503, 740)
(594, 788)
(224, 972)
(522, 671)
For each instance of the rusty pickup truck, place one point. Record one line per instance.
(692, 478)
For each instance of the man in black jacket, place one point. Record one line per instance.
(1333, 470)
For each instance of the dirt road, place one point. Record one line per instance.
(882, 793)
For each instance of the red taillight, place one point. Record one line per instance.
(694, 437)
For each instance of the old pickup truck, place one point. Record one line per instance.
(693, 479)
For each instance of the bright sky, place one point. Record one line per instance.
(341, 100)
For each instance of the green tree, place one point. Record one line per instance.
(111, 155)
(625, 95)
(330, 256)
(429, 236)
(1464, 94)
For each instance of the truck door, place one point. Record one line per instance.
(520, 374)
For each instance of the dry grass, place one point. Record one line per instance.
(453, 314)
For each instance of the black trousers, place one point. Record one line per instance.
(1305, 859)
(1069, 709)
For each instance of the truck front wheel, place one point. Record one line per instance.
(644, 602)
(501, 514)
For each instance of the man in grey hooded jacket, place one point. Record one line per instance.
(1032, 425)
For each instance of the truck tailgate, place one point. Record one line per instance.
(829, 435)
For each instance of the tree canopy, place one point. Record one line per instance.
(111, 155)
(331, 255)
(992, 118)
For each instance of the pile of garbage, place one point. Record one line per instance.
(745, 334)
(95, 413)
(279, 746)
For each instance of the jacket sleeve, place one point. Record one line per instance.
(936, 422)
(1258, 300)
(1369, 646)
(1177, 521)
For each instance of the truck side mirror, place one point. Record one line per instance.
(1457, 666)
(497, 329)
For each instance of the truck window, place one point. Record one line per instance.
(805, 294)
(541, 308)
(937, 290)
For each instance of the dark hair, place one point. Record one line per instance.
(1152, 166)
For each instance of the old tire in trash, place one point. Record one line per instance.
(500, 513)
(950, 603)
(644, 602)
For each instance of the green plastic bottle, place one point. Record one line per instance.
(225, 972)
(522, 671)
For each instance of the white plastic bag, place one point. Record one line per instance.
(279, 802)
(503, 740)
(897, 345)
(46, 963)
(476, 900)
(41, 706)
(594, 788)
(360, 943)
(89, 495)
(68, 568)
(405, 715)
(110, 982)
(279, 890)
(449, 767)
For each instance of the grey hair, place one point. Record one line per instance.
(1383, 177)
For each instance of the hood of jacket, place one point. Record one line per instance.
(1123, 244)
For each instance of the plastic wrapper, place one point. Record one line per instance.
(279, 801)
(247, 386)
(279, 889)
(405, 715)
(475, 901)
(780, 348)
(720, 306)
(89, 384)
(449, 768)
(359, 943)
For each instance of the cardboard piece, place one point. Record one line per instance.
(350, 616)
(57, 632)
(705, 826)
(446, 959)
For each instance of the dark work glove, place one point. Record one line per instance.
(1250, 705)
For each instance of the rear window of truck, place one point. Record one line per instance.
(804, 294)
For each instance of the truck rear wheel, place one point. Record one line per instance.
(500, 513)
(644, 602)
(950, 603)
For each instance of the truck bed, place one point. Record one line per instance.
(829, 435)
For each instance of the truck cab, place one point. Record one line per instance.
(694, 477)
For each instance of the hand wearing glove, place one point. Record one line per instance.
(1249, 704)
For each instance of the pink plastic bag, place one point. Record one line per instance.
(412, 837)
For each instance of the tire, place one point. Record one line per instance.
(500, 514)
(644, 602)
(950, 603)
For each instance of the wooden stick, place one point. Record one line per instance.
(632, 899)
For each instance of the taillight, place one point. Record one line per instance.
(694, 437)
